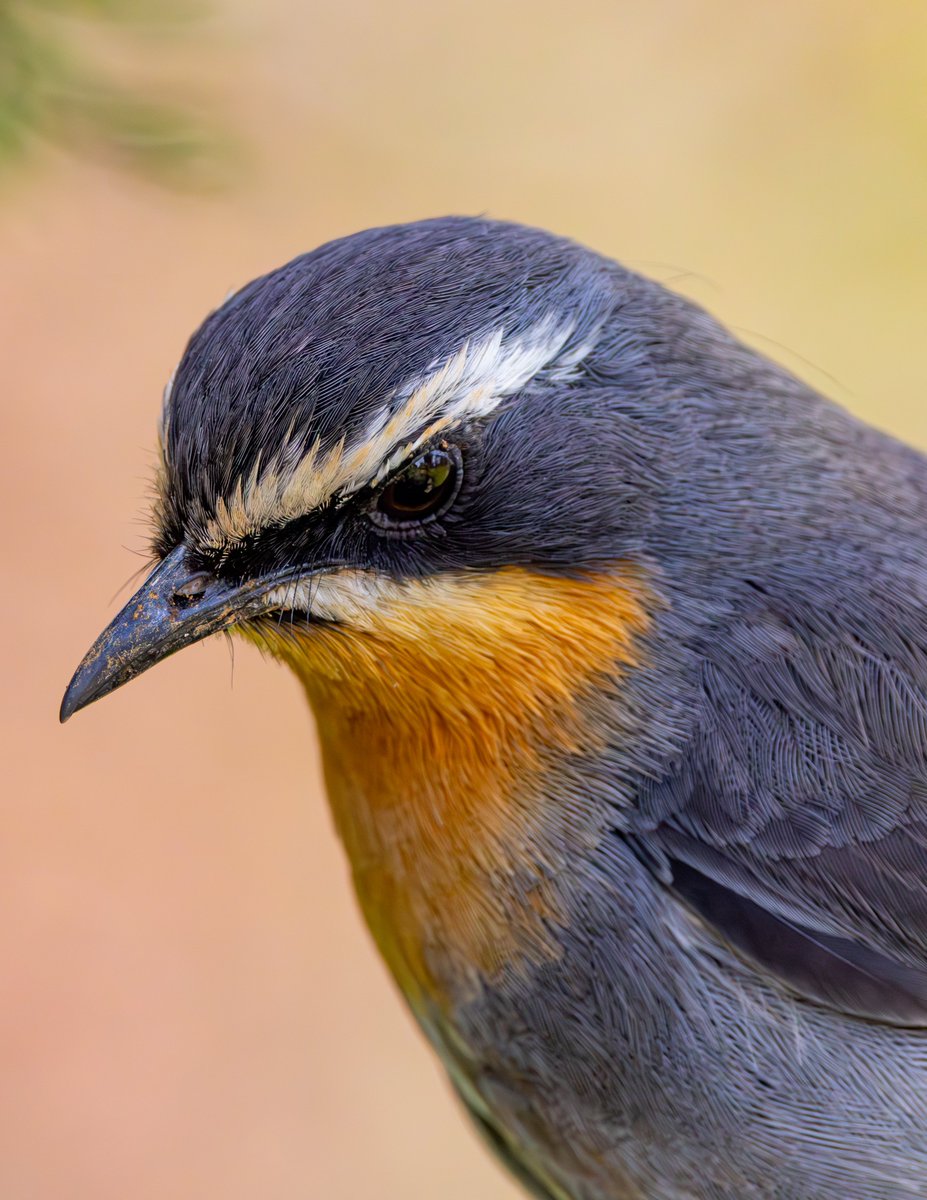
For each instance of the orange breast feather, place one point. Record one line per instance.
(440, 709)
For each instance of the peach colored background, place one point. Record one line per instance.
(189, 1006)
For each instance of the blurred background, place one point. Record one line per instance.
(189, 1005)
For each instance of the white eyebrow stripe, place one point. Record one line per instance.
(468, 385)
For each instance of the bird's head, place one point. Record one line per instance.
(409, 435)
(465, 478)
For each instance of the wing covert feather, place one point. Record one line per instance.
(797, 820)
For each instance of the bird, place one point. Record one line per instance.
(615, 637)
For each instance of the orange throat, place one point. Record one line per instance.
(442, 707)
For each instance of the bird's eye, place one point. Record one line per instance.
(421, 491)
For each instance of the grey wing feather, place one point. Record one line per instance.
(796, 823)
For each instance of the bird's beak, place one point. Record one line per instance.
(175, 607)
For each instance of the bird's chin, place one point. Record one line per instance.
(318, 650)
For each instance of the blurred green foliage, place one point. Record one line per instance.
(61, 68)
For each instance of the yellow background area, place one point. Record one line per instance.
(190, 1007)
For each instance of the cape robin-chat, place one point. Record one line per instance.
(615, 635)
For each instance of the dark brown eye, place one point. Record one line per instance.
(420, 491)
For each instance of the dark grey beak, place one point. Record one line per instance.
(175, 607)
